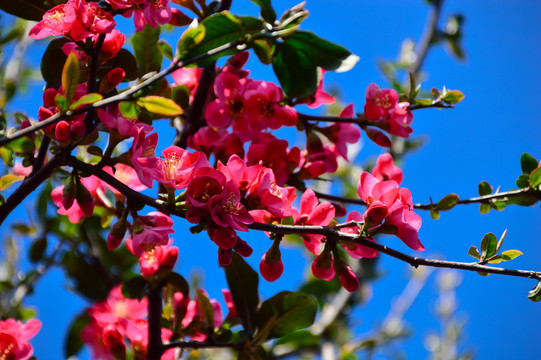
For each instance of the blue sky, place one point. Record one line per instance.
(482, 139)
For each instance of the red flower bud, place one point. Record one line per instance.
(243, 248)
(348, 278)
(378, 137)
(224, 256)
(62, 131)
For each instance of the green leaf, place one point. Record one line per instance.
(523, 181)
(298, 340)
(128, 109)
(206, 309)
(263, 50)
(297, 74)
(484, 208)
(26, 9)
(7, 180)
(447, 203)
(52, 63)
(165, 49)
(321, 52)
(190, 38)
(452, 97)
(287, 312)
(485, 188)
(148, 56)
(528, 163)
(86, 100)
(124, 60)
(535, 178)
(22, 145)
(73, 343)
(423, 102)
(38, 249)
(179, 282)
(243, 283)
(159, 105)
(498, 205)
(473, 252)
(511, 254)
(535, 293)
(134, 288)
(488, 246)
(267, 12)
(500, 242)
(434, 214)
(70, 76)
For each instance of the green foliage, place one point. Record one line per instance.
(535, 293)
(243, 283)
(267, 12)
(160, 106)
(70, 76)
(286, 312)
(145, 46)
(73, 343)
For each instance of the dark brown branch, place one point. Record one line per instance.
(486, 199)
(42, 154)
(194, 116)
(92, 76)
(201, 345)
(330, 232)
(430, 31)
(126, 95)
(29, 185)
(155, 346)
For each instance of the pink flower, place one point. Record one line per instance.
(357, 251)
(229, 102)
(321, 97)
(76, 20)
(141, 151)
(153, 13)
(124, 128)
(386, 201)
(379, 102)
(385, 169)
(262, 105)
(126, 175)
(160, 259)
(187, 76)
(341, 134)
(177, 166)
(272, 153)
(400, 120)
(14, 337)
(226, 209)
(150, 230)
(312, 212)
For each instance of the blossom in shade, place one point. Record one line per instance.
(14, 338)
(150, 230)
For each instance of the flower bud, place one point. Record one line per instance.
(347, 277)
(378, 137)
(178, 18)
(84, 198)
(62, 131)
(225, 256)
(322, 267)
(117, 233)
(69, 193)
(271, 265)
(243, 248)
(114, 342)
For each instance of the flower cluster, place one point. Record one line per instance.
(383, 106)
(118, 323)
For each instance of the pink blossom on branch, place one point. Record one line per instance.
(392, 204)
(149, 231)
(76, 20)
(385, 169)
(14, 338)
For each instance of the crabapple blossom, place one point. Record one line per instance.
(76, 20)
(150, 230)
(14, 337)
(385, 169)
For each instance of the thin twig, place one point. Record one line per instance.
(201, 345)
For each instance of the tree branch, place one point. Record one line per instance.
(155, 347)
(330, 232)
(201, 345)
(126, 95)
